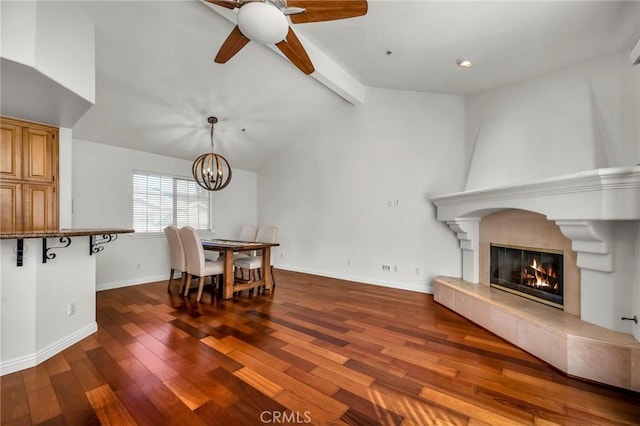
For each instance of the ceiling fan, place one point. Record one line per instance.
(266, 21)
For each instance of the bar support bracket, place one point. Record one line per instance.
(19, 252)
(96, 245)
(66, 241)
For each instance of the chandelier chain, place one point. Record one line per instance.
(211, 137)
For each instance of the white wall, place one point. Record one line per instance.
(65, 167)
(328, 192)
(102, 197)
(18, 31)
(57, 40)
(47, 56)
(608, 296)
(34, 321)
(580, 118)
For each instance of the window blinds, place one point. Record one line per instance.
(161, 200)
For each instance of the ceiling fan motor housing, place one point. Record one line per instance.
(262, 22)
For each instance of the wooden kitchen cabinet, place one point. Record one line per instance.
(39, 155)
(39, 207)
(10, 151)
(28, 176)
(10, 207)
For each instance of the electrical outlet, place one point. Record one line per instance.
(281, 255)
(395, 268)
(138, 265)
(71, 309)
(386, 267)
(417, 271)
(349, 262)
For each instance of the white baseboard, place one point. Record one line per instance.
(133, 281)
(28, 361)
(366, 280)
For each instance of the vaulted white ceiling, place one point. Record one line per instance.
(156, 82)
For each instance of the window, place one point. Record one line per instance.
(161, 200)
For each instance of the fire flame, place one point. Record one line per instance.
(541, 275)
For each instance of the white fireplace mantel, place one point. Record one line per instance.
(582, 204)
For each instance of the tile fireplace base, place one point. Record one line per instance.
(576, 347)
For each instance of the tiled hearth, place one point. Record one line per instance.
(597, 214)
(563, 340)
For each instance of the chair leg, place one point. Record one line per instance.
(200, 288)
(187, 285)
(214, 286)
(254, 275)
(183, 280)
(170, 280)
(220, 286)
(215, 283)
(248, 274)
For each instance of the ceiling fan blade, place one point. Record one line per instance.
(323, 10)
(293, 49)
(229, 4)
(231, 46)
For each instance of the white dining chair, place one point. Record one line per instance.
(253, 264)
(177, 257)
(197, 265)
(247, 233)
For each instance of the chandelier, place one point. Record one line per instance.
(211, 171)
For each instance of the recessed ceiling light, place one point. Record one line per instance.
(464, 63)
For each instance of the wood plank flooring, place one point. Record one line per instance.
(315, 351)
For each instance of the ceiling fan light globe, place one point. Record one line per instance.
(262, 22)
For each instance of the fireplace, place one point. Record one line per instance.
(528, 272)
(598, 215)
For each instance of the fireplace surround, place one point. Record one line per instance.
(598, 214)
(522, 228)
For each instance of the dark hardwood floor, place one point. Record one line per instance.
(315, 351)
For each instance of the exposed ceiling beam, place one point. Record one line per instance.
(327, 71)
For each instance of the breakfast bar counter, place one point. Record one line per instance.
(97, 237)
(64, 233)
(47, 291)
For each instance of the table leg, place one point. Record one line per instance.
(266, 265)
(229, 278)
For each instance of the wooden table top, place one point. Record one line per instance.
(235, 244)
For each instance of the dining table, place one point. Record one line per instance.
(227, 248)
